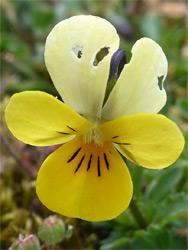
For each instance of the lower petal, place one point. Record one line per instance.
(85, 181)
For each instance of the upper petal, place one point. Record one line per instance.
(137, 88)
(70, 52)
(39, 119)
(149, 140)
(85, 181)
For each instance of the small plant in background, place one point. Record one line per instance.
(51, 231)
(28, 242)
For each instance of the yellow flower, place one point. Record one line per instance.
(86, 177)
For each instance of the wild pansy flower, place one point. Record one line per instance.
(86, 177)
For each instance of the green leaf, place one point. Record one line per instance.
(125, 218)
(179, 242)
(117, 244)
(164, 183)
(24, 69)
(42, 16)
(175, 35)
(183, 106)
(154, 238)
(150, 26)
(15, 46)
(143, 243)
(173, 208)
(162, 237)
(32, 85)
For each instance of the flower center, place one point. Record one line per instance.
(95, 136)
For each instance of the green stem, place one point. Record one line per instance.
(137, 214)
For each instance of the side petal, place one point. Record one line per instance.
(39, 119)
(149, 140)
(70, 53)
(137, 88)
(85, 181)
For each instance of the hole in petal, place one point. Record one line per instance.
(77, 51)
(160, 82)
(100, 55)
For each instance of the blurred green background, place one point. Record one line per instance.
(160, 196)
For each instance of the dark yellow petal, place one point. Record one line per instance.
(149, 140)
(85, 181)
(39, 119)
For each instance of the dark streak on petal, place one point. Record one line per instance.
(106, 161)
(74, 155)
(89, 163)
(122, 143)
(62, 133)
(118, 60)
(98, 167)
(80, 163)
(115, 137)
(71, 129)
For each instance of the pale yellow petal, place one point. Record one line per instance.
(137, 88)
(70, 51)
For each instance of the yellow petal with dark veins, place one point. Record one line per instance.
(149, 140)
(39, 119)
(85, 181)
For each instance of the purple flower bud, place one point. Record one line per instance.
(118, 60)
